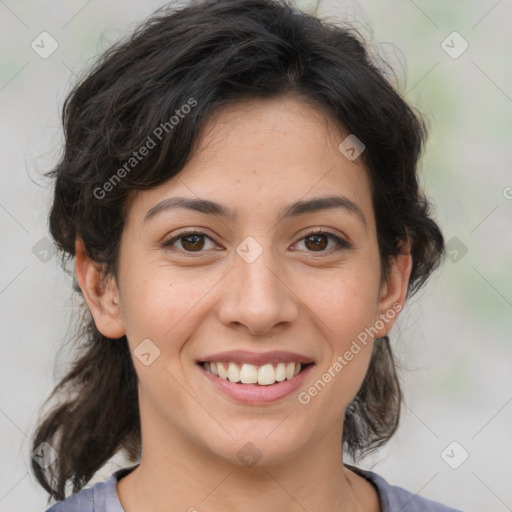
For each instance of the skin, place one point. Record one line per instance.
(256, 158)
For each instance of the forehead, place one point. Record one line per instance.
(259, 155)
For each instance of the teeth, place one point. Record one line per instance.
(280, 372)
(251, 374)
(222, 371)
(248, 373)
(266, 375)
(234, 374)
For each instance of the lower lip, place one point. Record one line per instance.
(256, 393)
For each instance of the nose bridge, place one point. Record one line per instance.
(257, 298)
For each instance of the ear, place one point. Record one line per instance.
(100, 293)
(393, 291)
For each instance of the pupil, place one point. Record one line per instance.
(193, 244)
(318, 244)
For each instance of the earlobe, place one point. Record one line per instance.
(100, 293)
(394, 290)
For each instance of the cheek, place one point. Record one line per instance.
(165, 305)
(351, 321)
(347, 305)
(151, 294)
(345, 312)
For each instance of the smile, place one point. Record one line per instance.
(264, 375)
(255, 385)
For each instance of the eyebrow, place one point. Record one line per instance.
(294, 209)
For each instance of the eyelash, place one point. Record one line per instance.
(342, 244)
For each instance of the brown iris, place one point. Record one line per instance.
(197, 242)
(318, 243)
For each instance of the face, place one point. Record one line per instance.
(268, 270)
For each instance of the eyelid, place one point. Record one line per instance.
(186, 232)
(340, 241)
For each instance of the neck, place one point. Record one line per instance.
(177, 472)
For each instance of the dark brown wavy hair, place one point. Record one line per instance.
(218, 52)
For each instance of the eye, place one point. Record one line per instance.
(316, 241)
(319, 240)
(191, 241)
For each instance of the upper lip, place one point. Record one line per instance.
(243, 356)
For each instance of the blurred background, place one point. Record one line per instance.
(453, 62)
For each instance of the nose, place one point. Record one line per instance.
(257, 296)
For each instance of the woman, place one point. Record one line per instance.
(239, 191)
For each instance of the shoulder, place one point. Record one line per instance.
(394, 498)
(100, 497)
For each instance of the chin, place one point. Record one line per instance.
(257, 450)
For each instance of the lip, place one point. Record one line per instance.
(254, 394)
(243, 356)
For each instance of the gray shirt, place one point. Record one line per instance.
(102, 496)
